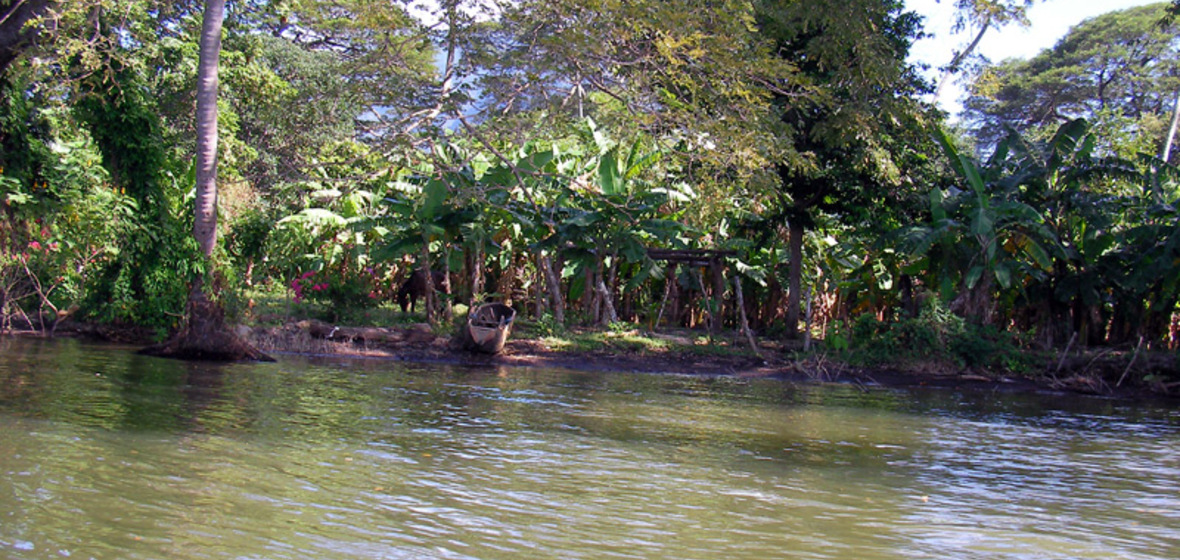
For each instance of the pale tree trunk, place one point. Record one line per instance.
(1167, 151)
(205, 224)
(206, 336)
(609, 316)
(588, 307)
(957, 61)
(743, 321)
(476, 269)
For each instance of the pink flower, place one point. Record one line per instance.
(53, 246)
(34, 245)
(307, 275)
(44, 232)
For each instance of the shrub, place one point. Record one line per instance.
(936, 335)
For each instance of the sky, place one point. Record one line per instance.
(1051, 19)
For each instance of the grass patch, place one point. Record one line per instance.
(594, 340)
(635, 341)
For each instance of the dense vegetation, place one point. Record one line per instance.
(539, 150)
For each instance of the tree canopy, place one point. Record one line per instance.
(1122, 65)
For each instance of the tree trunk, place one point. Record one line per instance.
(588, 292)
(717, 314)
(975, 303)
(205, 335)
(744, 322)
(205, 223)
(794, 279)
(15, 34)
(554, 284)
(540, 293)
(448, 308)
(475, 264)
(1166, 153)
(424, 265)
(957, 61)
(609, 316)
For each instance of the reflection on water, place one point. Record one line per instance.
(105, 454)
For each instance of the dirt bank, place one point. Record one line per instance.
(1153, 375)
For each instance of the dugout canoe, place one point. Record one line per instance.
(488, 327)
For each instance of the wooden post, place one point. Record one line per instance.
(668, 280)
(745, 324)
(447, 289)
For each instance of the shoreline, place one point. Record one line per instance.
(417, 343)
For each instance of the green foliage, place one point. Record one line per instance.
(60, 217)
(539, 147)
(936, 338)
(146, 283)
(246, 240)
(325, 250)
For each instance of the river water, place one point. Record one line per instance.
(105, 454)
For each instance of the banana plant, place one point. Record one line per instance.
(327, 247)
(609, 222)
(980, 229)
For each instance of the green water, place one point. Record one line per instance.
(109, 455)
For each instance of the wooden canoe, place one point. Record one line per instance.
(488, 327)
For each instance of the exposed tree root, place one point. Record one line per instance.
(207, 338)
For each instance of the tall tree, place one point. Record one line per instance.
(1122, 66)
(205, 224)
(206, 336)
(858, 94)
